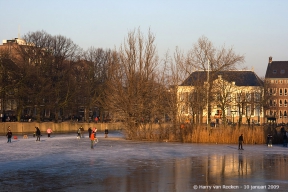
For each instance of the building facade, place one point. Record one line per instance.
(276, 85)
(228, 97)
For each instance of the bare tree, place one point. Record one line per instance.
(134, 86)
(204, 56)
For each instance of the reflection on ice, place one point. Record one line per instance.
(63, 163)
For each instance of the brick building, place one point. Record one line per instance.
(276, 83)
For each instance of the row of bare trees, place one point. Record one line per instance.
(131, 82)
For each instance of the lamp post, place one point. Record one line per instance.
(208, 87)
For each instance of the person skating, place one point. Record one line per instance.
(9, 136)
(269, 140)
(240, 146)
(79, 133)
(49, 131)
(92, 140)
(38, 133)
(106, 132)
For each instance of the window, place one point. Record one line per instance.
(285, 114)
(257, 97)
(280, 92)
(285, 103)
(276, 81)
(285, 92)
(282, 71)
(183, 96)
(257, 110)
(274, 91)
(238, 97)
(270, 103)
(274, 71)
(274, 103)
(248, 97)
(270, 91)
(280, 114)
(248, 110)
(280, 103)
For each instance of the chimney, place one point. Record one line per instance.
(270, 59)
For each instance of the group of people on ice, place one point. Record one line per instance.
(37, 134)
(92, 134)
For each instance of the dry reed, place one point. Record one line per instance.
(255, 135)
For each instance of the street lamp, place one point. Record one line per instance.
(208, 87)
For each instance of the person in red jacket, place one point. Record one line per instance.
(92, 140)
(49, 131)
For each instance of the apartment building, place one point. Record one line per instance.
(276, 84)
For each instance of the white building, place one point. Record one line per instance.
(234, 96)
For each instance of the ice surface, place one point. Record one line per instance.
(64, 163)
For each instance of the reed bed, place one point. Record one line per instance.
(202, 134)
(255, 135)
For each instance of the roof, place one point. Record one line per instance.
(241, 78)
(277, 69)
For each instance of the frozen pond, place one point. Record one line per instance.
(64, 163)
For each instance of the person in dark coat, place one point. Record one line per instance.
(9, 136)
(89, 131)
(81, 132)
(106, 132)
(38, 133)
(240, 147)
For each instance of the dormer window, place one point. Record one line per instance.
(282, 71)
(274, 71)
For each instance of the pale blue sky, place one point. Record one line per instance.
(256, 28)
